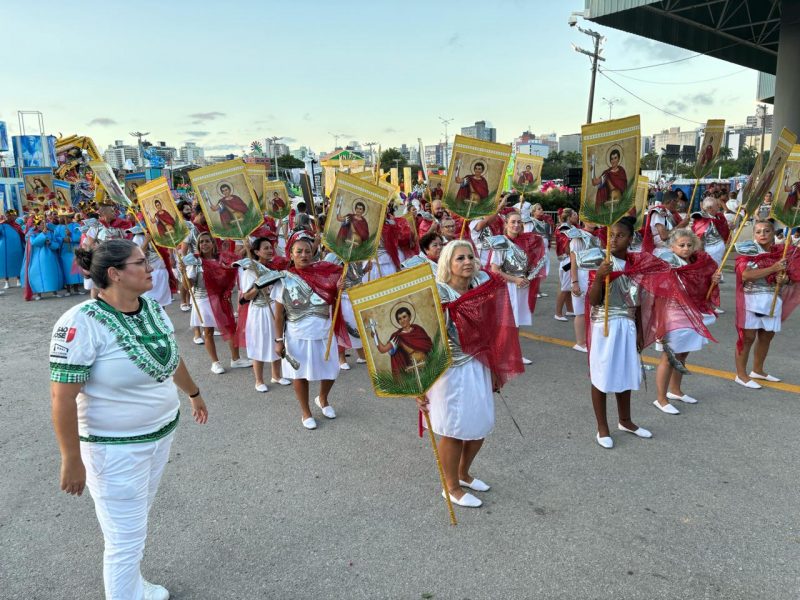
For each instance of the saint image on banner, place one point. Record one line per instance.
(786, 206)
(612, 183)
(708, 153)
(475, 177)
(165, 224)
(409, 345)
(354, 226)
(276, 203)
(525, 178)
(709, 147)
(474, 187)
(276, 199)
(228, 206)
(527, 174)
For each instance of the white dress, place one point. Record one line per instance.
(518, 295)
(160, 291)
(195, 273)
(259, 329)
(579, 302)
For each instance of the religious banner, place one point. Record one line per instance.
(38, 185)
(709, 149)
(132, 183)
(475, 177)
(104, 175)
(786, 201)
(642, 193)
(227, 199)
(400, 320)
(527, 173)
(70, 151)
(610, 168)
(63, 191)
(436, 187)
(771, 171)
(355, 218)
(164, 222)
(258, 175)
(276, 199)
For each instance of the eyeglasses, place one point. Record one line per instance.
(140, 263)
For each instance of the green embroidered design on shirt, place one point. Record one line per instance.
(135, 439)
(145, 337)
(64, 373)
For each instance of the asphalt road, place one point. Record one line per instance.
(254, 506)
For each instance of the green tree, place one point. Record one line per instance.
(573, 159)
(287, 161)
(388, 158)
(649, 161)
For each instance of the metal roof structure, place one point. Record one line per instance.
(744, 32)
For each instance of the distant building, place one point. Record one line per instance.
(647, 144)
(434, 156)
(119, 153)
(191, 154)
(570, 143)
(168, 153)
(480, 130)
(674, 136)
(405, 152)
(754, 121)
(300, 153)
(534, 148)
(275, 148)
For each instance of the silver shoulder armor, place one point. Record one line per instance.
(414, 261)
(268, 277)
(190, 260)
(749, 248)
(590, 259)
(425, 215)
(446, 293)
(672, 259)
(574, 233)
(481, 278)
(498, 242)
(332, 258)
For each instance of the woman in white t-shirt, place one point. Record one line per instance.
(115, 370)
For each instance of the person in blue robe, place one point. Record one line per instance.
(11, 247)
(68, 237)
(41, 269)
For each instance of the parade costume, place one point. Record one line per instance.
(707, 229)
(562, 255)
(69, 237)
(481, 239)
(354, 276)
(580, 240)
(658, 215)
(12, 242)
(419, 259)
(42, 272)
(387, 260)
(754, 298)
(161, 291)
(212, 284)
(543, 227)
(127, 414)
(523, 256)
(461, 401)
(259, 324)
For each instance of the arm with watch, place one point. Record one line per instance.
(186, 384)
(575, 287)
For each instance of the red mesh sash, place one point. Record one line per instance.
(167, 258)
(219, 278)
(323, 277)
(389, 238)
(790, 294)
(696, 278)
(533, 246)
(722, 226)
(496, 346)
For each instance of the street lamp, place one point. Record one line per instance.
(272, 141)
(446, 122)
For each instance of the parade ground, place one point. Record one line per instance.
(252, 505)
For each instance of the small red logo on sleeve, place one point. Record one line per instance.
(71, 334)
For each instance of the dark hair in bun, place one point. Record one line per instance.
(96, 261)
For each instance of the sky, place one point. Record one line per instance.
(223, 74)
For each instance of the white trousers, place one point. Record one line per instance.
(123, 481)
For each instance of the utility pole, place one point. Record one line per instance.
(336, 137)
(595, 56)
(446, 122)
(272, 141)
(371, 154)
(762, 109)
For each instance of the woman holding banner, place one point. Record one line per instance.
(303, 301)
(460, 403)
(761, 267)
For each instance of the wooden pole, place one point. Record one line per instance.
(441, 469)
(778, 285)
(727, 253)
(335, 314)
(694, 191)
(607, 284)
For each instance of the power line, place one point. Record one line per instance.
(682, 82)
(677, 60)
(665, 111)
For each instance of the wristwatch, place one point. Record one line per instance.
(279, 340)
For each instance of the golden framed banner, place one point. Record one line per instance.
(39, 186)
(355, 218)
(527, 173)
(104, 175)
(276, 199)
(227, 199)
(131, 185)
(400, 320)
(709, 150)
(258, 175)
(611, 152)
(436, 187)
(642, 193)
(475, 177)
(164, 222)
(771, 172)
(786, 202)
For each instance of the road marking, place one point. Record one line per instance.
(727, 375)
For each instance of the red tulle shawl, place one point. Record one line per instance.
(485, 323)
(323, 278)
(722, 226)
(790, 294)
(167, 258)
(696, 278)
(389, 238)
(219, 278)
(534, 247)
(562, 243)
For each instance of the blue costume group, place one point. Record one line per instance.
(11, 248)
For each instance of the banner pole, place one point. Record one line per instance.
(607, 284)
(335, 314)
(441, 469)
(778, 285)
(727, 253)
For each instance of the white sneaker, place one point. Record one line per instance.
(326, 410)
(344, 367)
(154, 592)
(477, 485)
(6, 286)
(37, 297)
(667, 408)
(281, 381)
(526, 361)
(557, 318)
(754, 375)
(241, 363)
(569, 313)
(217, 368)
(580, 348)
(185, 308)
(199, 341)
(750, 384)
(217, 332)
(686, 398)
(262, 387)
(467, 500)
(361, 361)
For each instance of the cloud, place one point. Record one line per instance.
(703, 98)
(102, 121)
(202, 117)
(197, 133)
(266, 119)
(676, 106)
(452, 41)
(655, 51)
(390, 130)
(306, 116)
(288, 140)
(221, 132)
(223, 147)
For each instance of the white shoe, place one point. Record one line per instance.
(686, 398)
(750, 384)
(262, 387)
(19, 283)
(638, 432)
(185, 308)
(326, 410)
(754, 375)
(569, 313)
(361, 361)
(6, 286)
(544, 294)
(605, 442)
(477, 485)
(557, 318)
(526, 361)
(467, 500)
(344, 367)
(309, 423)
(154, 592)
(216, 367)
(37, 297)
(217, 332)
(667, 408)
(719, 311)
(199, 341)
(241, 363)
(580, 348)
(281, 381)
